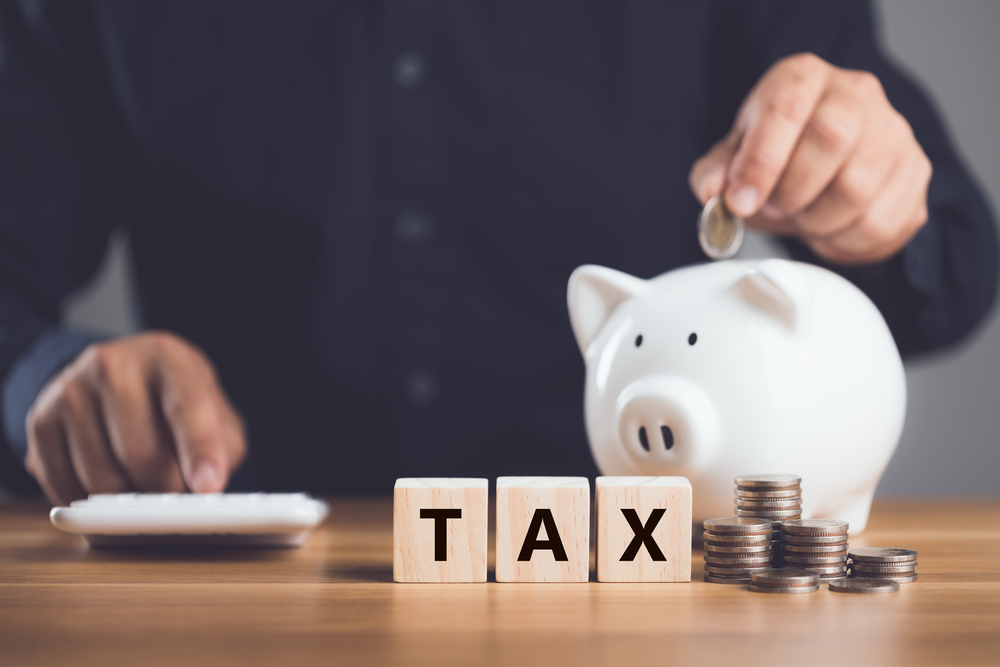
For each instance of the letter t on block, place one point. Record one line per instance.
(439, 529)
(543, 529)
(643, 529)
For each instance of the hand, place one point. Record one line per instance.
(141, 413)
(818, 152)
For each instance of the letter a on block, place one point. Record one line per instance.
(643, 529)
(439, 530)
(543, 529)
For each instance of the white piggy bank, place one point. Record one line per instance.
(740, 367)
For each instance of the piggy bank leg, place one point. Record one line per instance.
(854, 509)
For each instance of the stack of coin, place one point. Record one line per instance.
(735, 548)
(774, 497)
(817, 545)
(899, 565)
(784, 580)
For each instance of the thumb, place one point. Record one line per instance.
(708, 174)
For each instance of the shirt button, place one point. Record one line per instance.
(409, 70)
(413, 227)
(421, 387)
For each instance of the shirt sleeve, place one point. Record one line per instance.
(942, 284)
(59, 169)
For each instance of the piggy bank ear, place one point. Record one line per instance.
(593, 294)
(778, 288)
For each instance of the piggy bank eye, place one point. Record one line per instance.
(692, 339)
(638, 340)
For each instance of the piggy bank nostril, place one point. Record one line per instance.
(668, 436)
(643, 440)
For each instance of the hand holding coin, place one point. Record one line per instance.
(819, 153)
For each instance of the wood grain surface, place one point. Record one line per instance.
(333, 602)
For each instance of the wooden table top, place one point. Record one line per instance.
(333, 602)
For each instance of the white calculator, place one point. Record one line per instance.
(188, 519)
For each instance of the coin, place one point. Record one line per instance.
(739, 538)
(901, 578)
(901, 568)
(815, 527)
(836, 569)
(864, 586)
(809, 561)
(729, 549)
(733, 571)
(784, 576)
(743, 581)
(795, 503)
(720, 233)
(752, 559)
(876, 555)
(788, 538)
(738, 524)
(768, 494)
(823, 549)
(784, 590)
(769, 514)
(759, 482)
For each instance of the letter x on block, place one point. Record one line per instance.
(543, 529)
(643, 529)
(439, 530)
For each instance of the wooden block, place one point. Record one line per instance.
(543, 529)
(643, 529)
(439, 529)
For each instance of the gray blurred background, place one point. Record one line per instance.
(950, 445)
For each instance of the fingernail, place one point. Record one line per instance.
(743, 200)
(205, 478)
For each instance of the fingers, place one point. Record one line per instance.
(136, 434)
(771, 121)
(895, 215)
(708, 175)
(208, 437)
(830, 136)
(48, 458)
(142, 413)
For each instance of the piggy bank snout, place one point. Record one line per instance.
(667, 423)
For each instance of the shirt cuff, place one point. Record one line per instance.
(51, 351)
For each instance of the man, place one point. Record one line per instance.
(353, 222)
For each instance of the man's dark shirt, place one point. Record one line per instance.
(366, 212)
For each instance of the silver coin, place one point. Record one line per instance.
(876, 555)
(864, 586)
(769, 514)
(739, 538)
(733, 571)
(784, 576)
(828, 577)
(730, 549)
(815, 527)
(812, 548)
(760, 482)
(820, 570)
(901, 578)
(768, 504)
(752, 559)
(895, 568)
(739, 581)
(784, 590)
(768, 494)
(788, 538)
(720, 233)
(807, 561)
(738, 524)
